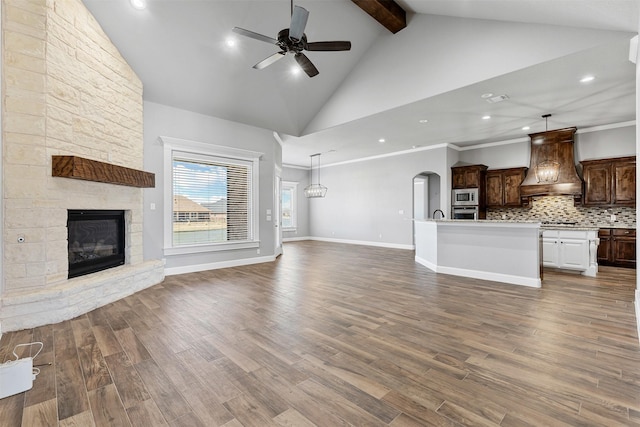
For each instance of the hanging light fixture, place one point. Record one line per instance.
(315, 190)
(548, 170)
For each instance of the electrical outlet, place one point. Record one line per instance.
(613, 217)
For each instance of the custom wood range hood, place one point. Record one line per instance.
(552, 168)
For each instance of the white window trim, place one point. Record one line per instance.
(196, 149)
(294, 201)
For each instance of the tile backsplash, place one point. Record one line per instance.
(561, 209)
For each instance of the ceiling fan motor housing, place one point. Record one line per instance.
(288, 44)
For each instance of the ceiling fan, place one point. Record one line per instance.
(293, 40)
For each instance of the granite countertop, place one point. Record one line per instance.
(543, 226)
(568, 227)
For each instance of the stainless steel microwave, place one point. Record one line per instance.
(464, 197)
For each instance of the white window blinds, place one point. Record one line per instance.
(211, 200)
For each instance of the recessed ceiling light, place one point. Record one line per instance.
(424, 121)
(526, 128)
(486, 117)
(486, 95)
(382, 140)
(587, 79)
(230, 42)
(138, 4)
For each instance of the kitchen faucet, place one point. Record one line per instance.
(436, 211)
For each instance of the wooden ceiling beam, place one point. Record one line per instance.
(387, 12)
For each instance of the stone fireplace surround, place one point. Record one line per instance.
(66, 91)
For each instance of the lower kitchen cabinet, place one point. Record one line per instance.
(571, 250)
(617, 247)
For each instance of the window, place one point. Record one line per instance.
(213, 194)
(289, 190)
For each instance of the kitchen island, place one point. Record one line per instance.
(501, 251)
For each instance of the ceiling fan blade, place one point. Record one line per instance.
(307, 66)
(253, 35)
(298, 22)
(269, 60)
(328, 46)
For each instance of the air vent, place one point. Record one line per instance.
(498, 98)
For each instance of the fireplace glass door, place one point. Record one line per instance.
(96, 240)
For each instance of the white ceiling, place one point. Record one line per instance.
(177, 48)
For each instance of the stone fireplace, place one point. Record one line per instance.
(66, 91)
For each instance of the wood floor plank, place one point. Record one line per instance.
(247, 414)
(146, 413)
(94, 368)
(339, 335)
(130, 386)
(292, 418)
(83, 419)
(164, 393)
(134, 348)
(11, 409)
(106, 407)
(70, 389)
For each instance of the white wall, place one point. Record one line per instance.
(301, 176)
(614, 142)
(589, 144)
(160, 120)
(365, 199)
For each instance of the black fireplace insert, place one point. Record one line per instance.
(96, 240)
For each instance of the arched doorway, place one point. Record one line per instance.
(426, 196)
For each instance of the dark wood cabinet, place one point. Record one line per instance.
(472, 176)
(617, 247)
(609, 182)
(503, 186)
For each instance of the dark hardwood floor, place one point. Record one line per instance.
(339, 335)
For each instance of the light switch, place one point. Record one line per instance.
(268, 211)
(268, 217)
(152, 206)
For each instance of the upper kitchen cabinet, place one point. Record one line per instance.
(503, 187)
(472, 176)
(609, 182)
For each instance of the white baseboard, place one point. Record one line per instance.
(483, 275)
(365, 243)
(637, 305)
(172, 271)
(295, 239)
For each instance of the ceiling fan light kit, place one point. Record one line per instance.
(293, 40)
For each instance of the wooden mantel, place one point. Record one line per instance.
(92, 170)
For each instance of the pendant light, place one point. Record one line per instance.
(315, 190)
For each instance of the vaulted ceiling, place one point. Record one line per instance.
(421, 86)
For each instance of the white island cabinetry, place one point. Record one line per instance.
(571, 250)
(499, 251)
